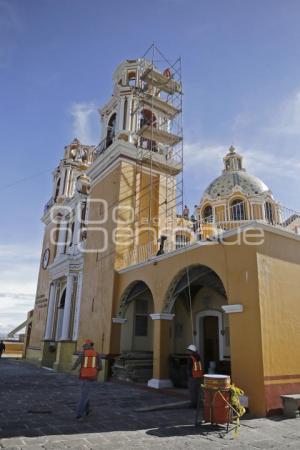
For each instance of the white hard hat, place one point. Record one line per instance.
(192, 348)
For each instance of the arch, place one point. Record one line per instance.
(237, 207)
(269, 212)
(57, 189)
(201, 274)
(111, 129)
(132, 291)
(62, 299)
(207, 212)
(131, 78)
(136, 308)
(195, 298)
(148, 118)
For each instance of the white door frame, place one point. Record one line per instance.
(219, 315)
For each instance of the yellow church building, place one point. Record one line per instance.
(125, 264)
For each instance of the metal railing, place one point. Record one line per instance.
(214, 226)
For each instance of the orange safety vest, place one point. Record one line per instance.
(197, 371)
(88, 370)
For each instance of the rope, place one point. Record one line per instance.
(190, 302)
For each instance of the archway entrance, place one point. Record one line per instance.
(136, 342)
(195, 298)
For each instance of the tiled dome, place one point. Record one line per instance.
(224, 185)
(234, 178)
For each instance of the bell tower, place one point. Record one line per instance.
(77, 158)
(142, 132)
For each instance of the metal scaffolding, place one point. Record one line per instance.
(157, 114)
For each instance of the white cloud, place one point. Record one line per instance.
(286, 120)
(85, 122)
(19, 267)
(255, 160)
(280, 171)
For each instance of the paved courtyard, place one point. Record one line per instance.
(37, 411)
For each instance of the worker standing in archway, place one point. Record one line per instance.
(194, 374)
(90, 364)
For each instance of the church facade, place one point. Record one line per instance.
(226, 278)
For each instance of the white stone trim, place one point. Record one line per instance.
(162, 316)
(77, 306)
(51, 309)
(157, 383)
(232, 308)
(120, 320)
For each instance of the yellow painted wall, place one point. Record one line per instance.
(236, 266)
(42, 293)
(279, 290)
(98, 274)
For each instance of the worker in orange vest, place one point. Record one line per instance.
(195, 375)
(90, 364)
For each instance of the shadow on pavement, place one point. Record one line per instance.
(38, 402)
(187, 430)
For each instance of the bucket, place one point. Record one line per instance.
(216, 396)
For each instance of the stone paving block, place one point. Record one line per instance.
(14, 447)
(114, 424)
(265, 444)
(11, 442)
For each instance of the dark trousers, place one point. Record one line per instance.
(194, 385)
(83, 406)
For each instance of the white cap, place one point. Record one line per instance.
(192, 348)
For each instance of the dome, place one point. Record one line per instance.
(235, 178)
(224, 185)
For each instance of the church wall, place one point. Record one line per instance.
(41, 300)
(125, 212)
(98, 273)
(236, 266)
(279, 289)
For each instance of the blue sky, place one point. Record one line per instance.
(241, 76)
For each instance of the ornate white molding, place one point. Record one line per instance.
(64, 264)
(162, 316)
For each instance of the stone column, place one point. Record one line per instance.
(63, 227)
(77, 306)
(161, 350)
(77, 227)
(50, 314)
(120, 115)
(65, 336)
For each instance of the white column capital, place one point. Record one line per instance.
(162, 316)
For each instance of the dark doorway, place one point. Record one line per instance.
(210, 340)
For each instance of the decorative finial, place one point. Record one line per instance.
(231, 149)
